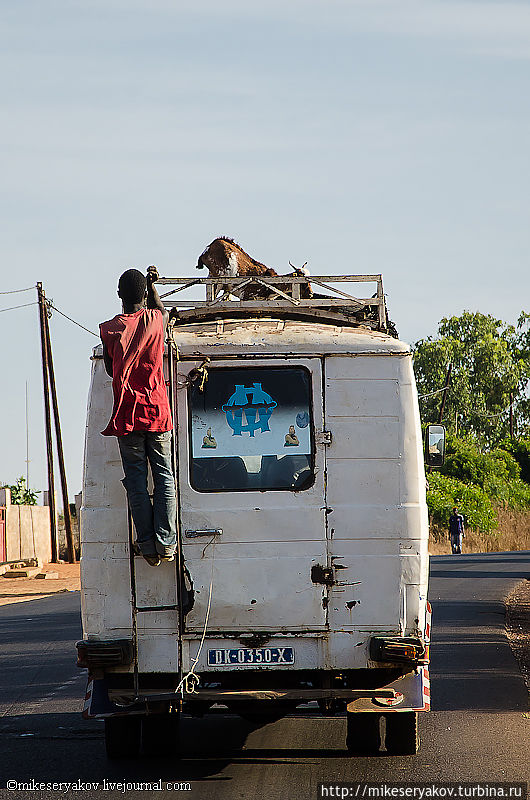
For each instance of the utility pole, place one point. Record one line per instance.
(27, 440)
(47, 423)
(444, 396)
(511, 415)
(59, 439)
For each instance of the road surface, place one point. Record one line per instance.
(478, 729)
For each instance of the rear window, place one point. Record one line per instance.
(252, 429)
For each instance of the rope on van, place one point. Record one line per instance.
(199, 374)
(190, 681)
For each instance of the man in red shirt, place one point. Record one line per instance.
(133, 352)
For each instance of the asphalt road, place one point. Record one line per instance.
(478, 729)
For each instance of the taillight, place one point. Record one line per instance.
(106, 653)
(400, 649)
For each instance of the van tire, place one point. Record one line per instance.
(160, 734)
(402, 733)
(363, 737)
(122, 736)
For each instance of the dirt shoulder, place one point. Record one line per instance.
(518, 626)
(20, 590)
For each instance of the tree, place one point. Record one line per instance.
(478, 483)
(490, 362)
(20, 494)
(520, 450)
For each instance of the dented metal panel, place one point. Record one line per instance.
(260, 567)
(105, 567)
(275, 338)
(371, 408)
(361, 526)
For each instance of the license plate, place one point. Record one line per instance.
(247, 655)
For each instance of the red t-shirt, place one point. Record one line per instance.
(135, 342)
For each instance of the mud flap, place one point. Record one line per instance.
(413, 690)
(98, 706)
(412, 694)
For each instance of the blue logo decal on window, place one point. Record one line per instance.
(257, 406)
(302, 419)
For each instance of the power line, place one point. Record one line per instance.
(431, 394)
(485, 416)
(16, 291)
(490, 416)
(12, 308)
(50, 304)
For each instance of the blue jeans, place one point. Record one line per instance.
(155, 522)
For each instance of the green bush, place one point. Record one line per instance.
(497, 472)
(467, 463)
(520, 450)
(20, 494)
(472, 501)
(478, 483)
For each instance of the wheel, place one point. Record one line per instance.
(122, 736)
(362, 737)
(160, 734)
(402, 733)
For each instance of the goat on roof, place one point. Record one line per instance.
(224, 258)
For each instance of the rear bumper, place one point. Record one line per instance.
(406, 693)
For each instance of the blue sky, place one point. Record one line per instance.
(361, 136)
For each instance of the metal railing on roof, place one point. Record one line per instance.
(290, 295)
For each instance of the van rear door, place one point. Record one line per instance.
(366, 486)
(251, 491)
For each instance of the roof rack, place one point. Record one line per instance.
(280, 296)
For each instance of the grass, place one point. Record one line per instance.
(512, 533)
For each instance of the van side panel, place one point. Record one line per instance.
(105, 566)
(378, 526)
(104, 540)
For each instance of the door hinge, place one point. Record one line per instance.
(323, 437)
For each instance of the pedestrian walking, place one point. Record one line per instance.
(456, 531)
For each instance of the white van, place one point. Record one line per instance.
(301, 582)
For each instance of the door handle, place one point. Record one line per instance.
(204, 532)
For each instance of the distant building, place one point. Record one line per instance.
(24, 530)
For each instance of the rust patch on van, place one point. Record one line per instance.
(254, 639)
(323, 575)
